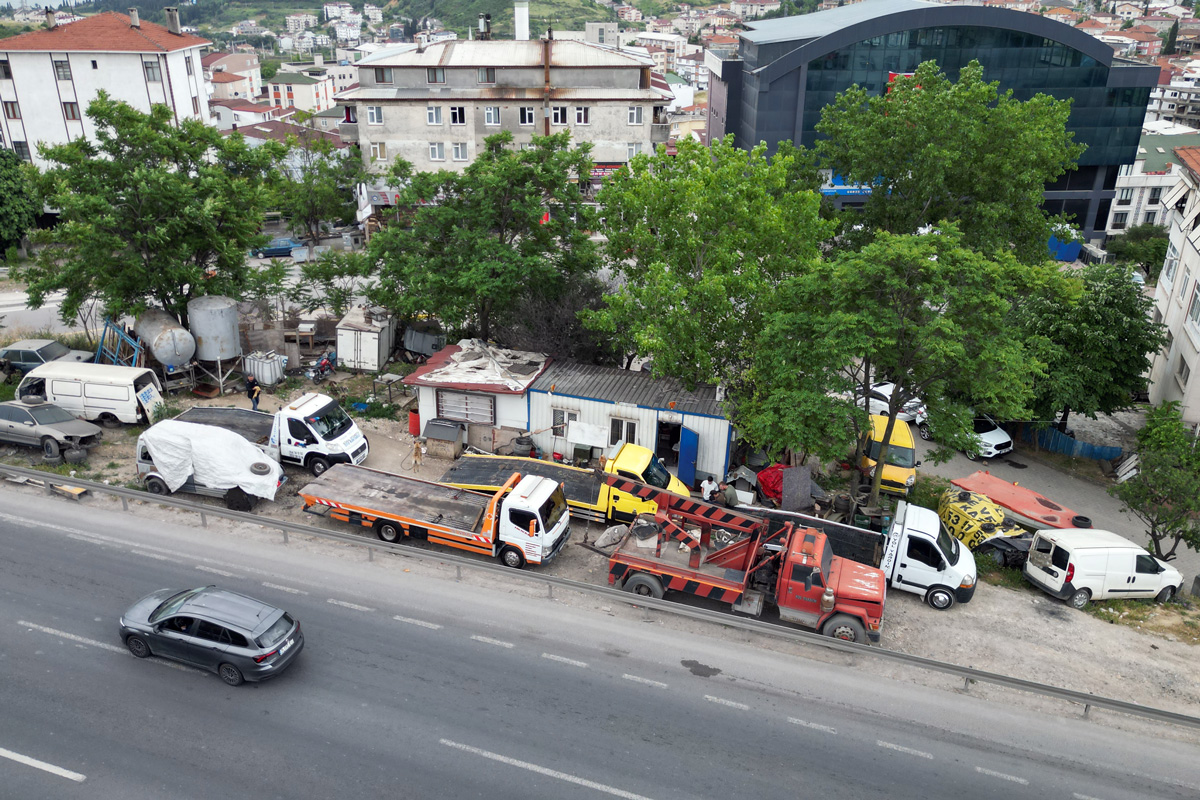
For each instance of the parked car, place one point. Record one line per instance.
(900, 471)
(235, 636)
(278, 248)
(26, 354)
(881, 396)
(1083, 564)
(990, 439)
(47, 426)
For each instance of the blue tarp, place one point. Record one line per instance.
(1056, 442)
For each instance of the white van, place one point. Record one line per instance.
(106, 393)
(1082, 564)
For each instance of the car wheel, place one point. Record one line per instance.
(1080, 599)
(971, 456)
(318, 465)
(846, 628)
(109, 421)
(50, 446)
(388, 531)
(76, 455)
(137, 645)
(258, 254)
(1166, 595)
(940, 597)
(236, 499)
(645, 585)
(512, 557)
(230, 674)
(158, 486)
(923, 431)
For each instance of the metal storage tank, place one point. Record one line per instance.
(165, 338)
(214, 323)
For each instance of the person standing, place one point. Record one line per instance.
(707, 487)
(253, 390)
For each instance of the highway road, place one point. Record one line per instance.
(415, 685)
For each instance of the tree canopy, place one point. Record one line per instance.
(481, 239)
(1144, 246)
(151, 213)
(18, 201)
(319, 182)
(960, 151)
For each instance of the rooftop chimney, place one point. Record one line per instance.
(521, 20)
(51, 20)
(134, 22)
(173, 19)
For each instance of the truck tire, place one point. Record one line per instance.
(317, 465)
(940, 597)
(1080, 599)
(388, 531)
(1166, 595)
(236, 499)
(644, 585)
(109, 421)
(512, 557)
(76, 455)
(156, 485)
(50, 447)
(846, 628)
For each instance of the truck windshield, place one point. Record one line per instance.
(947, 544)
(553, 509)
(656, 474)
(330, 422)
(903, 457)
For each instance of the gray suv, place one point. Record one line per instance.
(235, 636)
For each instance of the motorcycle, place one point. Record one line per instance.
(323, 367)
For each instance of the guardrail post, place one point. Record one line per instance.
(124, 503)
(46, 488)
(549, 591)
(1087, 708)
(458, 572)
(285, 536)
(203, 520)
(370, 554)
(967, 685)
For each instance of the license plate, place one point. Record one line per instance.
(287, 646)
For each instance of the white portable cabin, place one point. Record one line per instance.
(364, 339)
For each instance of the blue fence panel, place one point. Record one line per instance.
(1054, 441)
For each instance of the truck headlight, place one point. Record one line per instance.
(333, 447)
(967, 582)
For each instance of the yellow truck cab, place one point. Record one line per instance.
(900, 471)
(639, 464)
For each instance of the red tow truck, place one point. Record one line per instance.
(786, 565)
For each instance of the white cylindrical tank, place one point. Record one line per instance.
(165, 338)
(214, 324)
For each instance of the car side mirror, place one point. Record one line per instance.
(533, 527)
(942, 566)
(29, 423)
(917, 465)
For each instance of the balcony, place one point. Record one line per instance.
(348, 131)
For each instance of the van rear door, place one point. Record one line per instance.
(1048, 563)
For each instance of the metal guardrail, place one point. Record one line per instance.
(968, 674)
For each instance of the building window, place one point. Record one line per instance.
(378, 151)
(458, 115)
(435, 75)
(1183, 284)
(526, 115)
(62, 70)
(187, 62)
(1120, 219)
(22, 151)
(462, 407)
(561, 418)
(581, 115)
(487, 74)
(635, 115)
(437, 151)
(433, 115)
(383, 75)
(1194, 309)
(5, 70)
(491, 115)
(153, 72)
(1155, 196)
(1183, 372)
(558, 115)
(351, 114)
(71, 111)
(1171, 262)
(459, 151)
(622, 430)
(11, 109)
(1124, 197)
(196, 106)
(633, 149)
(374, 115)
(1149, 218)
(95, 65)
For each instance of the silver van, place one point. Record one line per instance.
(1083, 564)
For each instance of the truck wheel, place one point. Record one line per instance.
(157, 486)
(1080, 599)
(236, 499)
(388, 531)
(1166, 595)
(49, 447)
(317, 465)
(940, 597)
(512, 557)
(109, 421)
(644, 585)
(76, 455)
(846, 628)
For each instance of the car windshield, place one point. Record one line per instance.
(984, 425)
(54, 350)
(948, 545)
(330, 422)
(277, 631)
(50, 415)
(656, 474)
(904, 457)
(173, 603)
(553, 509)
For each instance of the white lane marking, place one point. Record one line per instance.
(1002, 776)
(815, 726)
(288, 589)
(550, 773)
(497, 642)
(42, 765)
(646, 681)
(155, 556)
(902, 749)
(216, 571)
(91, 540)
(724, 702)
(1079, 796)
(433, 626)
(344, 604)
(563, 660)
(72, 637)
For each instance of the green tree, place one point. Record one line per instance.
(1144, 246)
(1163, 493)
(1172, 35)
(319, 182)
(331, 282)
(269, 67)
(479, 240)
(150, 213)
(1096, 342)
(965, 152)
(18, 202)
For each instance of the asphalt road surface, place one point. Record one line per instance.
(415, 685)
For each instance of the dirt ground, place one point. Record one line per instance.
(1149, 658)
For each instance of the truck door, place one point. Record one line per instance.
(800, 598)
(624, 507)
(295, 440)
(689, 446)
(921, 565)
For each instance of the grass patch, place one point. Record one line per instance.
(112, 465)
(996, 575)
(374, 408)
(928, 490)
(8, 391)
(1178, 620)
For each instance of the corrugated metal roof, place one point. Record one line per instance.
(624, 386)
(503, 53)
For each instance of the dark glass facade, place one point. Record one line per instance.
(1107, 120)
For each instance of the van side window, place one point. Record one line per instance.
(1146, 565)
(1060, 558)
(100, 391)
(923, 551)
(522, 518)
(66, 388)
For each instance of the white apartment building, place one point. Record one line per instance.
(1142, 185)
(300, 22)
(245, 65)
(343, 72)
(48, 77)
(336, 10)
(347, 33)
(301, 90)
(753, 9)
(374, 14)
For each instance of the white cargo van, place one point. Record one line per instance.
(1082, 564)
(106, 393)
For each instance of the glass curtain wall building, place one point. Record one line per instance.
(785, 71)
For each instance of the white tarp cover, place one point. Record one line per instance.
(218, 458)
